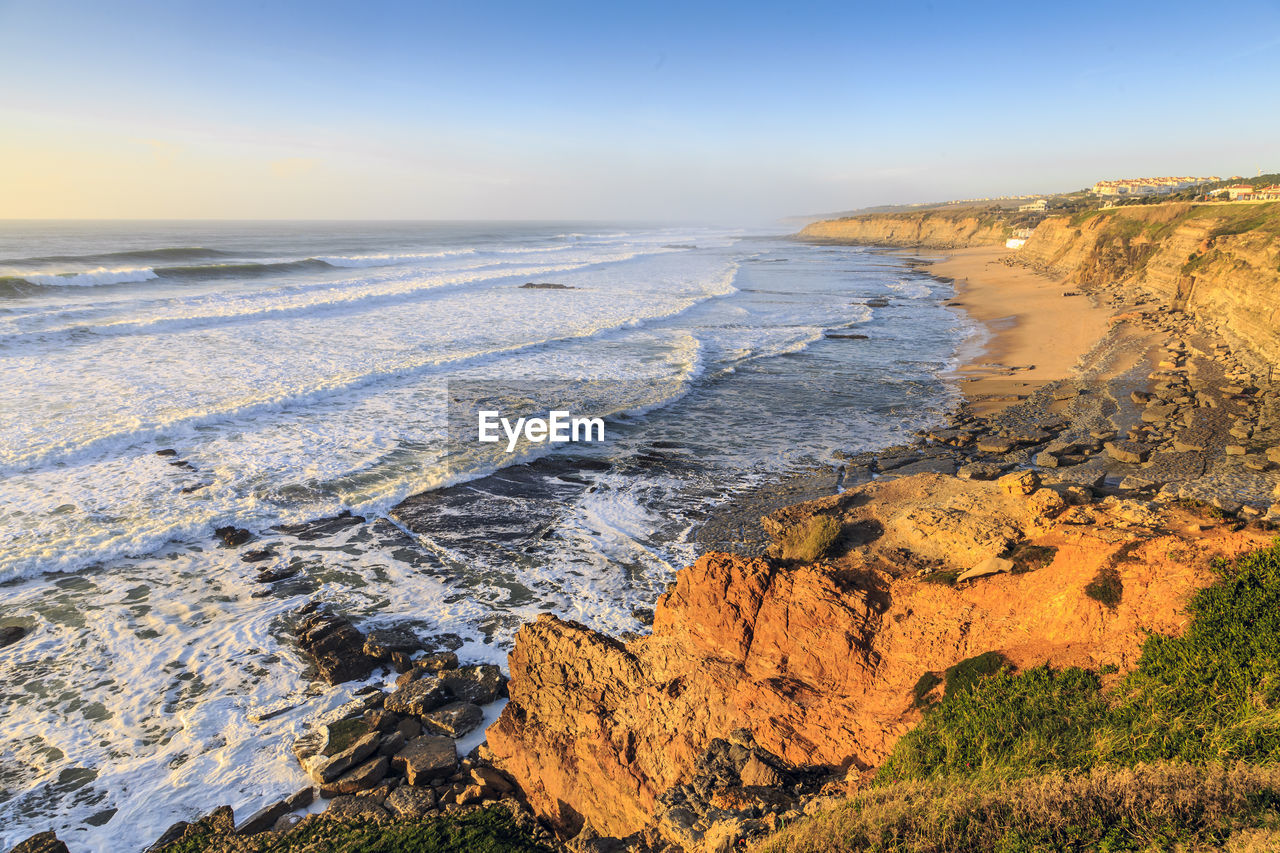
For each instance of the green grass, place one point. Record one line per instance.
(490, 830)
(1029, 558)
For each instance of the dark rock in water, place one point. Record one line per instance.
(263, 819)
(279, 574)
(876, 303)
(10, 634)
(257, 556)
(321, 527)
(455, 719)
(168, 451)
(336, 646)
(380, 643)
(186, 490)
(546, 285)
(425, 758)
(233, 537)
(838, 336)
(44, 842)
(419, 697)
(478, 684)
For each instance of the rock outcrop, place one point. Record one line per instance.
(819, 664)
(940, 229)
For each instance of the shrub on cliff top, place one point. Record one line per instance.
(810, 540)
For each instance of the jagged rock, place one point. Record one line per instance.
(425, 758)
(257, 556)
(409, 728)
(1126, 451)
(301, 799)
(756, 773)
(455, 719)
(478, 684)
(391, 743)
(233, 537)
(263, 819)
(360, 778)
(43, 842)
(326, 768)
(1019, 483)
(335, 645)
(409, 803)
(380, 643)
(354, 807)
(419, 697)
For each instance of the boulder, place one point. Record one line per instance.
(263, 819)
(995, 444)
(478, 684)
(409, 803)
(380, 643)
(233, 537)
(326, 768)
(455, 719)
(425, 758)
(494, 780)
(419, 697)
(1019, 483)
(1130, 452)
(350, 807)
(360, 778)
(335, 645)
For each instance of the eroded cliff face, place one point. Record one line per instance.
(929, 229)
(1219, 262)
(819, 661)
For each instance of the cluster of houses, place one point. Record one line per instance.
(1132, 187)
(1244, 192)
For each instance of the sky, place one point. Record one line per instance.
(727, 112)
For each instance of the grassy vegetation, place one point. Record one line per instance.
(1182, 751)
(1163, 807)
(489, 830)
(811, 540)
(1029, 558)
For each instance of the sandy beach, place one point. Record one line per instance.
(1036, 334)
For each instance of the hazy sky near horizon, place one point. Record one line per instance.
(732, 112)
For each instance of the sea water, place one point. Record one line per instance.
(303, 370)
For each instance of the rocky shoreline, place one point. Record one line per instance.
(768, 687)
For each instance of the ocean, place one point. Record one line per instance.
(300, 371)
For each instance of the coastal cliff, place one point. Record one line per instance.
(1219, 262)
(828, 664)
(935, 229)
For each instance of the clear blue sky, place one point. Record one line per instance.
(737, 111)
